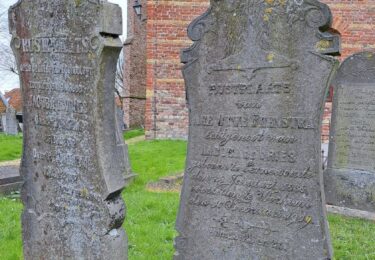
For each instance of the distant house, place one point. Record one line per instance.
(3, 109)
(11, 111)
(14, 99)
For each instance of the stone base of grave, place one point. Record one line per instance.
(129, 178)
(354, 213)
(350, 189)
(10, 179)
(167, 184)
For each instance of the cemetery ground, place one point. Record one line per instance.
(151, 215)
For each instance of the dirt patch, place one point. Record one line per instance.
(11, 163)
(167, 184)
(135, 139)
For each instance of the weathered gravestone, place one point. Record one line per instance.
(3, 121)
(128, 175)
(256, 78)
(73, 164)
(11, 125)
(350, 177)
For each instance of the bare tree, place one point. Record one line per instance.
(7, 60)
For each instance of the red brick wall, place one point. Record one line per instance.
(355, 20)
(135, 67)
(2, 107)
(166, 113)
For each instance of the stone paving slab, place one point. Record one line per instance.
(354, 213)
(7, 172)
(10, 179)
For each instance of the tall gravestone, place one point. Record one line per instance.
(11, 125)
(256, 78)
(350, 176)
(73, 159)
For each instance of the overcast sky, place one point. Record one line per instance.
(9, 81)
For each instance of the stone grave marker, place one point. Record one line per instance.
(256, 78)
(350, 177)
(3, 121)
(11, 125)
(128, 174)
(73, 161)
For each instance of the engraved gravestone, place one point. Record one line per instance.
(350, 176)
(256, 78)
(73, 160)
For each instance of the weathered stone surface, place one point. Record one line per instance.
(74, 157)
(3, 121)
(352, 213)
(256, 78)
(350, 177)
(10, 179)
(11, 123)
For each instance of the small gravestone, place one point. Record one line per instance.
(256, 78)
(120, 119)
(128, 175)
(3, 122)
(11, 125)
(350, 177)
(73, 159)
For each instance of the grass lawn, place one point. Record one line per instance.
(151, 216)
(133, 133)
(10, 147)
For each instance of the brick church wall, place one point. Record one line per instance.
(134, 96)
(166, 113)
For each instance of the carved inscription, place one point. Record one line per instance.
(253, 121)
(355, 130)
(57, 44)
(350, 176)
(255, 85)
(47, 68)
(245, 89)
(73, 207)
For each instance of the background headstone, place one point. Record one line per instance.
(350, 177)
(129, 176)
(3, 119)
(73, 161)
(256, 78)
(11, 126)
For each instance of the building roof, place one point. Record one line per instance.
(118, 101)
(14, 99)
(3, 103)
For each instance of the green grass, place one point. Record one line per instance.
(10, 229)
(134, 133)
(352, 238)
(155, 159)
(151, 216)
(10, 147)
